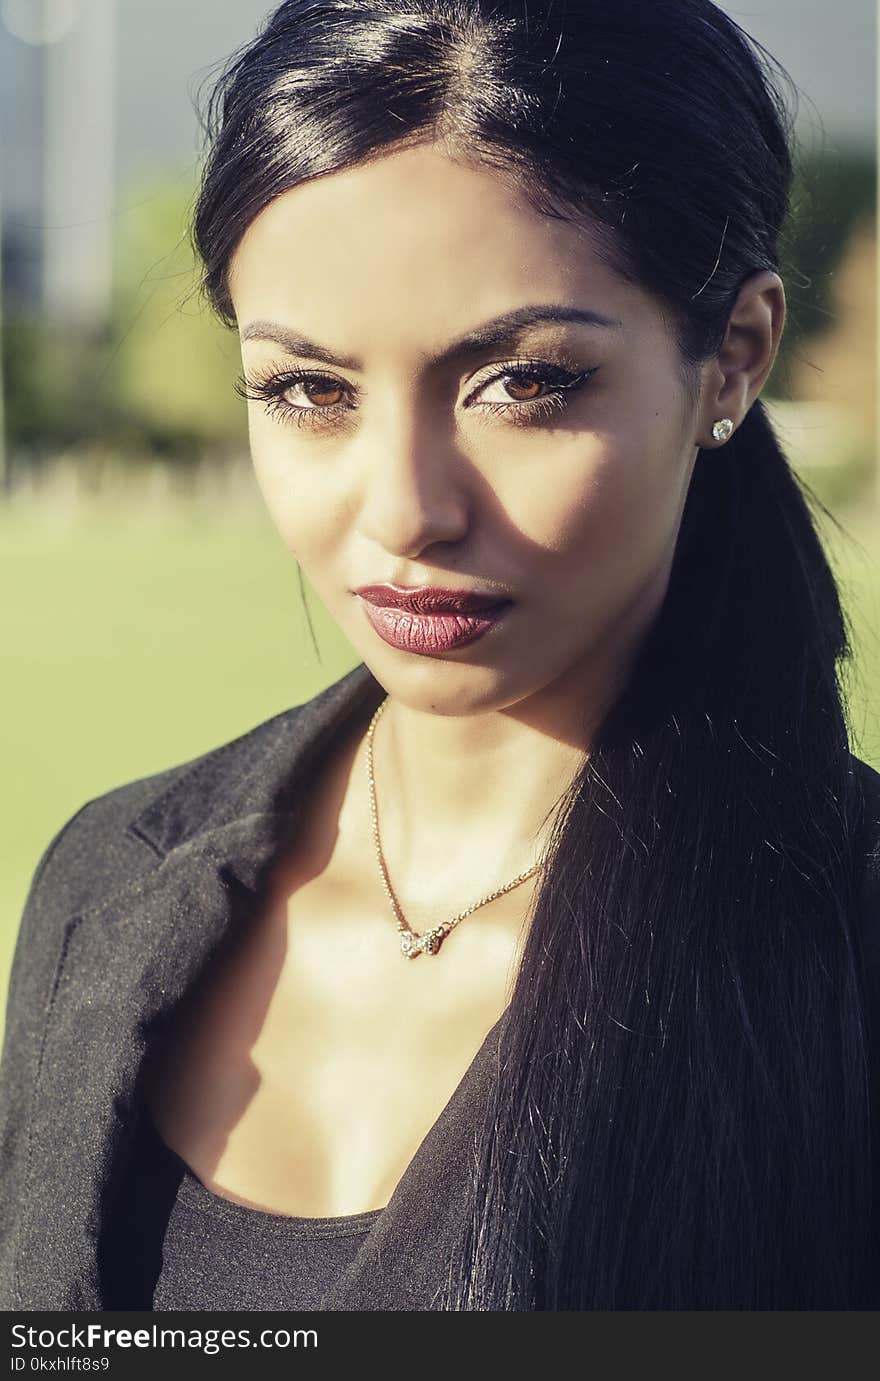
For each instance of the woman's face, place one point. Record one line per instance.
(545, 462)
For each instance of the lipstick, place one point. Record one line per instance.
(429, 619)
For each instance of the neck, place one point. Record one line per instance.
(474, 796)
(467, 801)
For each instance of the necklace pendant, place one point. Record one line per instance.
(412, 945)
(409, 947)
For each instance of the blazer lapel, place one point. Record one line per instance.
(126, 961)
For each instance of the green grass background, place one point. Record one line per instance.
(139, 634)
(132, 642)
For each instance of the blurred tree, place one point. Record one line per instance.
(833, 190)
(158, 380)
(173, 365)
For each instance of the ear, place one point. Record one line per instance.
(735, 377)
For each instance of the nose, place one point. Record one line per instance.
(413, 491)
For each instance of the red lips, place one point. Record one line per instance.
(429, 599)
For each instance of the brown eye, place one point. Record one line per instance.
(292, 395)
(515, 382)
(534, 390)
(318, 392)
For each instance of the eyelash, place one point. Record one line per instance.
(268, 387)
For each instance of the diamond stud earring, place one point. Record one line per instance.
(723, 429)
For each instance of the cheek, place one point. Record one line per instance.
(305, 512)
(609, 506)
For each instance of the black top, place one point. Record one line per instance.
(177, 1245)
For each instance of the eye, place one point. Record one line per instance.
(560, 382)
(309, 399)
(277, 388)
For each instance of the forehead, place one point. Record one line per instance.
(413, 245)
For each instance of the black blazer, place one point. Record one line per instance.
(127, 904)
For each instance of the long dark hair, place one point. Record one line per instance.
(682, 1117)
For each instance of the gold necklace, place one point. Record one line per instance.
(429, 942)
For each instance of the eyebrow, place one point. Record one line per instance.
(500, 331)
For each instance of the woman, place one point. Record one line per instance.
(511, 272)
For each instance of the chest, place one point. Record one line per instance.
(311, 1060)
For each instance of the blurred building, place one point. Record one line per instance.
(90, 92)
(59, 154)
